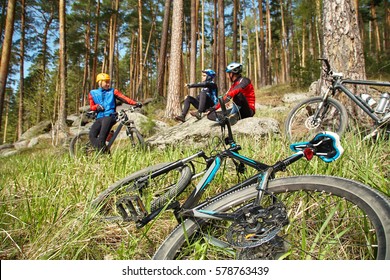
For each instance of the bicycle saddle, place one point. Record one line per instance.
(326, 145)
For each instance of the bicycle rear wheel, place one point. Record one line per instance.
(80, 145)
(156, 192)
(329, 218)
(300, 123)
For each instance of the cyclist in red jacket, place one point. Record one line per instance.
(241, 92)
(102, 100)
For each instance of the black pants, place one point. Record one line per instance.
(244, 112)
(202, 103)
(99, 132)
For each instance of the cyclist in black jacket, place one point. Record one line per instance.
(206, 99)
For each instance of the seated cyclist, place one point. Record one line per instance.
(206, 99)
(241, 92)
(102, 100)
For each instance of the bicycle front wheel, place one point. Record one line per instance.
(301, 123)
(329, 218)
(80, 145)
(136, 138)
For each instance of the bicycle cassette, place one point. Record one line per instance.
(255, 225)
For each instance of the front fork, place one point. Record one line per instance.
(320, 107)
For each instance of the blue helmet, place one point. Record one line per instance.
(234, 67)
(209, 72)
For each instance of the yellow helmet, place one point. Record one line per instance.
(102, 77)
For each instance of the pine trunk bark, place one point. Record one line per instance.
(95, 46)
(342, 43)
(221, 47)
(263, 69)
(140, 48)
(193, 45)
(21, 82)
(163, 49)
(175, 67)
(269, 44)
(60, 129)
(6, 52)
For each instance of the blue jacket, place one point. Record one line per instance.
(106, 98)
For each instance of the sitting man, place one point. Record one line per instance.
(241, 92)
(206, 99)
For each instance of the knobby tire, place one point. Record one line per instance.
(359, 229)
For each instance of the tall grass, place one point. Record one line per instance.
(45, 208)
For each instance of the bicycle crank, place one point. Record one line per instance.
(255, 225)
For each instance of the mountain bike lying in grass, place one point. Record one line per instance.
(301, 217)
(324, 113)
(80, 144)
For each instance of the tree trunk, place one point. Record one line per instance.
(87, 43)
(95, 46)
(269, 44)
(163, 49)
(21, 82)
(61, 121)
(140, 48)
(42, 81)
(263, 69)
(284, 50)
(193, 45)
(6, 52)
(113, 28)
(175, 68)
(215, 37)
(235, 29)
(387, 27)
(342, 43)
(377, 38)
(202, 44)
(6, 118)
(221, 47)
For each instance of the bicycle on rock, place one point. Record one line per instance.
(262, 217)
(80, 144)
(325, 113)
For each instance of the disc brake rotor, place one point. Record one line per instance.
(310, 123)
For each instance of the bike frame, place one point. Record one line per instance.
(338, 85)
(262, 182)
(213, 165)
(123, 122)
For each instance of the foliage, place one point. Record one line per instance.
(302, 20)
(45, 196)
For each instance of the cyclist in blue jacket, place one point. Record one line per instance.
(206, 99)
(102, 100)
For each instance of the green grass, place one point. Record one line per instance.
(45, 208)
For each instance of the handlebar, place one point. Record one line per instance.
(326, 145)
(328, 70)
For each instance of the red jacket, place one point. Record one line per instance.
(244, 86)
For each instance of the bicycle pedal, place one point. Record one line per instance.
(131, 208)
